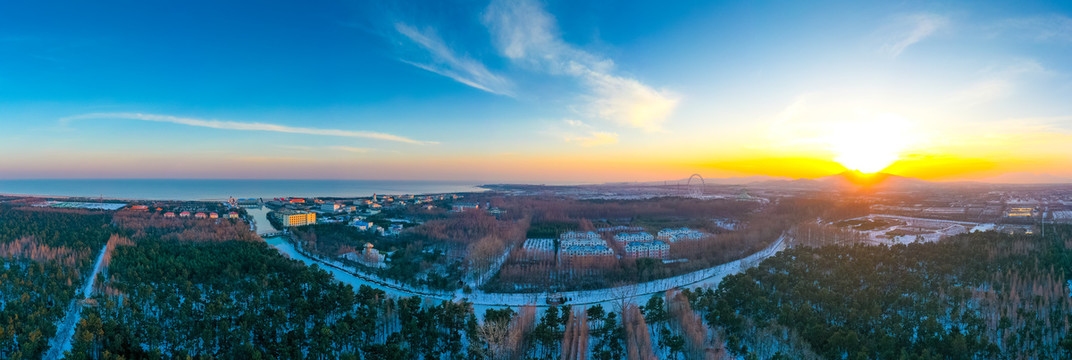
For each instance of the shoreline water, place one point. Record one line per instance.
(221, 189)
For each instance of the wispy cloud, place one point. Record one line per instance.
(458, 67)
(911, 29)
(246, 126)
(586, 135)
(999, 82)
(595, 138)
(1052, 27)
(524, 32)
(352, 149)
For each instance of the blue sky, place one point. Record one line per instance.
(528, 90)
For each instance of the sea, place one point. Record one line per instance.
(202, 189)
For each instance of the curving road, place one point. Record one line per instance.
(706, 277)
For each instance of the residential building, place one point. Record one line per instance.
(368, 257)
(232, 215)
(184, 214)
(169, 215)
(653, 249)
(458, 207)
(361, 225)
(539, 245)
(587, 250)
(633, 237)
(200, 215)
(575, 243)
(330, 207)
(213, 216)
(674, 235)
(1020, 212)
(295, 217)
(619, 228)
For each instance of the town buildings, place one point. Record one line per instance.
(295, 217)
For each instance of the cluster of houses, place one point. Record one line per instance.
(361, 224)
(634, 241)
(199, 215)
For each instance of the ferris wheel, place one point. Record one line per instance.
(696, 185)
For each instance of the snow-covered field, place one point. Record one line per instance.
(936, 229)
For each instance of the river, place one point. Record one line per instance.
(260, 220)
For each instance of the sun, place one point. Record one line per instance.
(869, 146)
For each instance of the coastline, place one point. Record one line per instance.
(222, 189)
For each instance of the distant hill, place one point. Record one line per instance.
(1026, 178)
(852, 180)
(743, 180)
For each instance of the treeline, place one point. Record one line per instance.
(973, 296)
(45, 255)
(140, 224)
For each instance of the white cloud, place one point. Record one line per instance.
(234, 125)
(911, 29)
(525, 33)
(576, 123)
(460, 68)
(595, 138)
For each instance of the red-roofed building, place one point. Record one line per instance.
(169, 215)
(184, 214)
(200, 215)
(213, 216)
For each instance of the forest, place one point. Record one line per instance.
(46, 254)
(973, 296)
(178, 289)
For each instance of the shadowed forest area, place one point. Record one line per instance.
(46, 255)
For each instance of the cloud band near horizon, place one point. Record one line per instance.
(248, 126)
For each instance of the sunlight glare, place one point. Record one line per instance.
(872, 145)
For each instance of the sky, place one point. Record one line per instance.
(535, 91)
